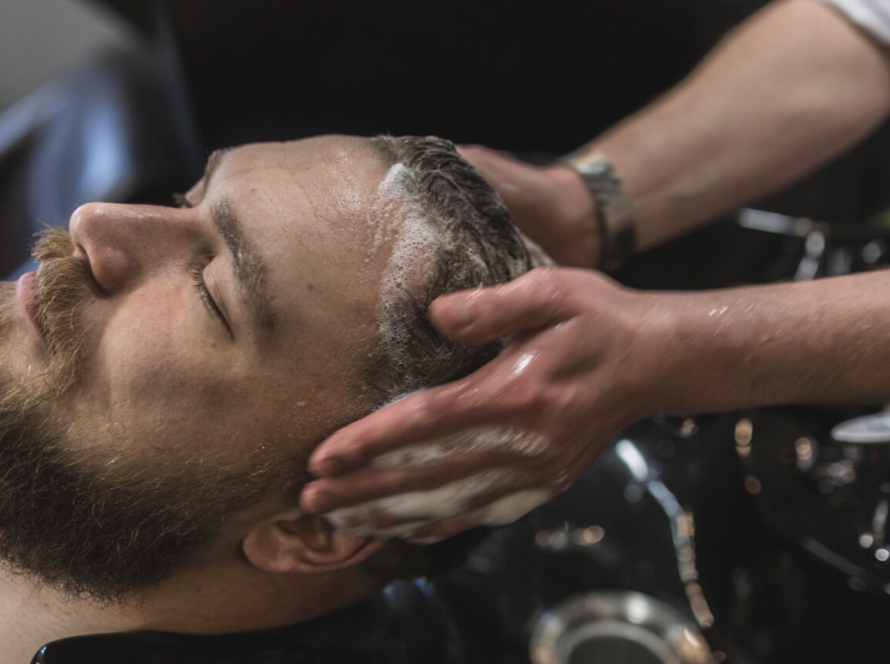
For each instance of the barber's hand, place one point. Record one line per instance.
(549, 204)
(579, 365)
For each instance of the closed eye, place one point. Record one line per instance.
(197, 272)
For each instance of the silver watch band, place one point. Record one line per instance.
(616, 217)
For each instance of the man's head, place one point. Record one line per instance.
(169, 370)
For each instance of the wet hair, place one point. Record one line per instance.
(476, 244)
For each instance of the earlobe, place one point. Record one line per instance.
(298, 543)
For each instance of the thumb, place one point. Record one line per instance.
(537, 299)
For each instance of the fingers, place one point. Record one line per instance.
(518, 183)
(424, 514)
(372, 483)
(473, 153)
(487, 161)
(435, 415)
(358, 443)
(462, 415)
(538, 299)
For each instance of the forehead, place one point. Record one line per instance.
(334, 176)
(313, 202)
(312, 210)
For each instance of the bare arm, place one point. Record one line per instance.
(795, 86)
(809, 342)
(792, 87)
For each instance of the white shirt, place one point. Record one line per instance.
(873, 16)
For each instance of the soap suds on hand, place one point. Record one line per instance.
(455, 499)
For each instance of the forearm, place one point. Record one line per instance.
(819, 341)
(791, 88)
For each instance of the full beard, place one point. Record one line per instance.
(82, 528)
(105, 533)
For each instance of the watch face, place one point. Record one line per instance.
(598, 173)
(597, 166)
(589, 163)
(613, 209)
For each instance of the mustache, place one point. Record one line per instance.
(7, 302)
(62, 290)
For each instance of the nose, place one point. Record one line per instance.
(125, 242)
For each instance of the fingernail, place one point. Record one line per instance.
(314, 500)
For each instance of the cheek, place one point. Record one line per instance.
(155, 368)
(149, 342)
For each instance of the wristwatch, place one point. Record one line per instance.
(617, 224)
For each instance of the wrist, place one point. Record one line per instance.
(664, 347)
(613, 209)
(579, 218)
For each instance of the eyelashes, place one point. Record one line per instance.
(197, 274)
(196, 271)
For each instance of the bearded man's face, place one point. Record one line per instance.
(166, 366)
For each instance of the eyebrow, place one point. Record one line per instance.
(251, 272)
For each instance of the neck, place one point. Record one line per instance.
(191, 603)
(31, 616)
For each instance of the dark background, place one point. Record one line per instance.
(536, 78)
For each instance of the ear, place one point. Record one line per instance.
(297, 543)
